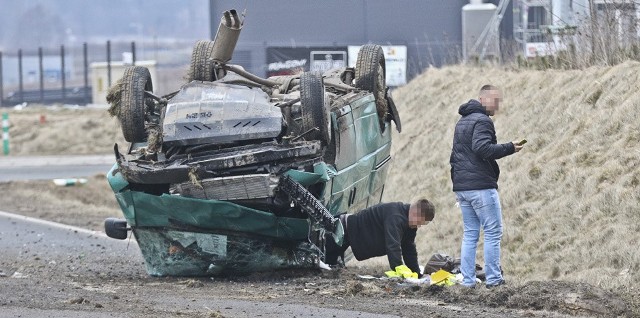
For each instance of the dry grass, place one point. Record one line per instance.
(84, 205)
(114, 98)
(570, 198)
(65, 131)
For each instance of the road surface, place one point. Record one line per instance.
(49, 269)
(14, 168)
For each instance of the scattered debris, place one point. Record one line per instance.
(353, 288)
(443, 278)
(358, 288)
(69, 182)
(79, 300)
(19, 275)
(193, 177)
(154, 139)
(216, 314)
(114, 98)
(192, 283)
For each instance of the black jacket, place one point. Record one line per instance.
(383, 229)
(475, 150)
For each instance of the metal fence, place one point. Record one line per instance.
(49, 76)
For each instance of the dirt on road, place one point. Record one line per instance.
(117, 287)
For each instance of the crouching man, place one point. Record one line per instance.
(383, 229)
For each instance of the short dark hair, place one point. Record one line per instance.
(426, 208)
(488, 87)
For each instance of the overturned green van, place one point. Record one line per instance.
(234, 173)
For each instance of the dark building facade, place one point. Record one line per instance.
(430, 29)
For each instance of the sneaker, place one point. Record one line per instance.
(500, 283)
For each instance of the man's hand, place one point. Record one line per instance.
(517, 145)
(402, 271)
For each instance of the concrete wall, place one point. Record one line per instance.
(100, 77)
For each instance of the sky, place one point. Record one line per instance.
(29, 24)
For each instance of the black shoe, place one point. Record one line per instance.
(500, 283)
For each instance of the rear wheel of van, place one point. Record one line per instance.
(316, 115)
(370, 75)
(201, 68)
(134, 104)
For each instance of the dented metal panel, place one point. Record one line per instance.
(211, 112)
(178, 169)
(181, 253)
(181, 236)
(244, 187)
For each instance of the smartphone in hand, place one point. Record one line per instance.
(522, 142)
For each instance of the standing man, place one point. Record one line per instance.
(383, 229)
(475, 172)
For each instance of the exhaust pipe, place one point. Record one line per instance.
(226, 37)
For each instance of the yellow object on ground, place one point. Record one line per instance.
(392, 274)
(406, 272)
(401, 271)
(443, 278)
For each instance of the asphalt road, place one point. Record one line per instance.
(37, 253)
(14, 168)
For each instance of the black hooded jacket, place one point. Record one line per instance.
(475, 150)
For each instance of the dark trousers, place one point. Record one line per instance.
(334, 251)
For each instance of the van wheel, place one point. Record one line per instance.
(370, 75)
(315, 108)
(201, 68)
(135, 81)
(115, 228)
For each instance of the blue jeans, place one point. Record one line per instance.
(480, 209)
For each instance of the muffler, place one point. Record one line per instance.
(227, 36)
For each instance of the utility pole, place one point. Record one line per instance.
(592, 13)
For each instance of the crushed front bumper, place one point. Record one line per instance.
(214, 163)
(180, 236)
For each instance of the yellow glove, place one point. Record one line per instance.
(392, 274)
(405, 272)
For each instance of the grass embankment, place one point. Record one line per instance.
(570, 199)
(64, 131)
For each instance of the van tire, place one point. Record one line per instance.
(315, 108)
(201, 68)
(370, 76)
(135, 81)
